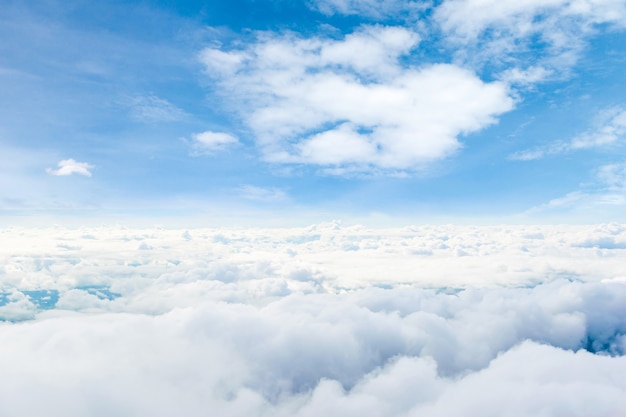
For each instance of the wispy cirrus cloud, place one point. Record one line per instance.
(372, 8)
(153, 109)
(69, 167)
(492, 32)
(252, 192)
(605, 192)
(504, 30)
(609, 130)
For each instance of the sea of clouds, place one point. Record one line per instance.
(318, 321)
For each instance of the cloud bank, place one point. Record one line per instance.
(324, 320)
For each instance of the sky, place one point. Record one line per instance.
(302, 111)
(280, 208)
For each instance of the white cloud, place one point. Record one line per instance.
(604, 193)
(470, 18)
(492, 31)
(209, 142)
(252, 192)
(350, 103)
(372, 8)
(323, 320)
(610, 129)
(69, 167)
(17, 307)
(526, 77)
(613, 176)
(500, 33)
(152, 109)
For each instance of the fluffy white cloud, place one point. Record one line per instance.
(69, 167)
(350, 102)
(208, 142)
(324, 320)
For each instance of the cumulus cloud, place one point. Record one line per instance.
(522, 320)
(350, 103)
(207, 143)
(69, 167)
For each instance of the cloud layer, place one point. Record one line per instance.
(324, 320)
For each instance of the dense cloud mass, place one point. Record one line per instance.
(324, 320)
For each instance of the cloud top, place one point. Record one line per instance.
(271, 323)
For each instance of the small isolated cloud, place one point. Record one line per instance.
(69, 167)
(252, 192)
(352, 103)
(152, 109)
(610, 128)
(208, 142)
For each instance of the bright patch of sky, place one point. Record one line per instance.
(303, 110)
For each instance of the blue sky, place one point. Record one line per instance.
(304, 110)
